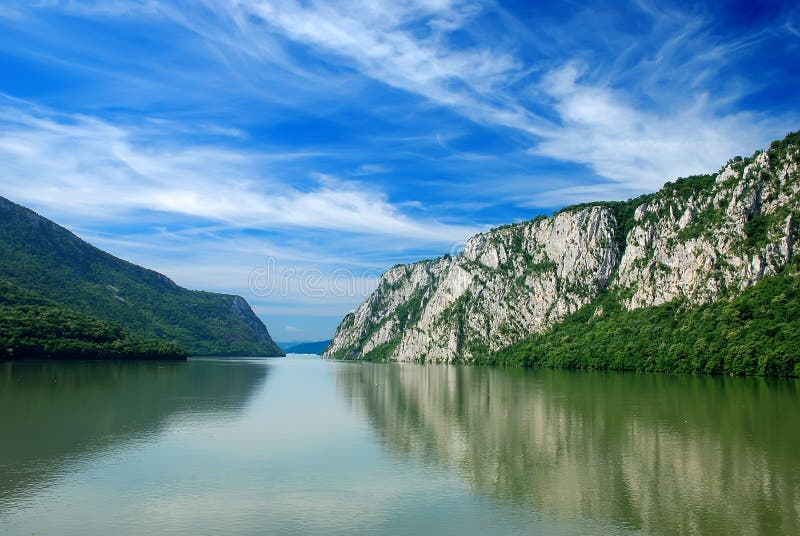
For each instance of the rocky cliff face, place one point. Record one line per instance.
(726, 236)
(697, 239)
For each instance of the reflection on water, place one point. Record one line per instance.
(57, 414)
(348, 448)
(665, 454)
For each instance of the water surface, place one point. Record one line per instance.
(303, 446)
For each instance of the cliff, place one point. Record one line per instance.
(697, 240)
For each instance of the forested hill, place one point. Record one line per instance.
(33, 327)
(41, 257)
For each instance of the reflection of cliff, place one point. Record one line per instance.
(660, 453)
(55, 414)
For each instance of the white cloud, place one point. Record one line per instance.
(403, 44)
(682, 130)
(641, 116)
(642, 149)
(383, 40)
(81, 164)
(88, 174)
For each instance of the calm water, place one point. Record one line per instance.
(302, 446)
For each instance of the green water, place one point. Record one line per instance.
(303, 446)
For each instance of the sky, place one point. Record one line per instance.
(291, 151)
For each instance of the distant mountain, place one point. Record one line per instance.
(284, 345)
(43, 259)
(317, 347)
(701, 276)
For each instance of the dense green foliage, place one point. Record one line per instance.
(779, 148)
(754, 333)
(38, 255)
(382, 352)
(31, 327)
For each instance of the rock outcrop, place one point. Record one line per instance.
(696, 239)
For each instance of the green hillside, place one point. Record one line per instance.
(33, 327)
(42, 257)
(754, 333)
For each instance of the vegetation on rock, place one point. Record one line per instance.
(754, 333)
(696, 277)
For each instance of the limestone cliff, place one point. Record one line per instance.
(697, 239)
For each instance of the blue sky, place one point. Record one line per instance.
(277, 149)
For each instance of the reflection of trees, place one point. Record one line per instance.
(662, 453)
(58, 413)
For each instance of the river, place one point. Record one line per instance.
(304, 446)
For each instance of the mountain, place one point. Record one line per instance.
(317, 347)
(699, 250)
(45, 260)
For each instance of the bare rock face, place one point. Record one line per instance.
(696, 239)
(727, 237)
(505, 284)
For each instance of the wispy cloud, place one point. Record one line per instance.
(81, 164)
(664, 123)
(642, 149)
(405, 45)
(651, 107)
